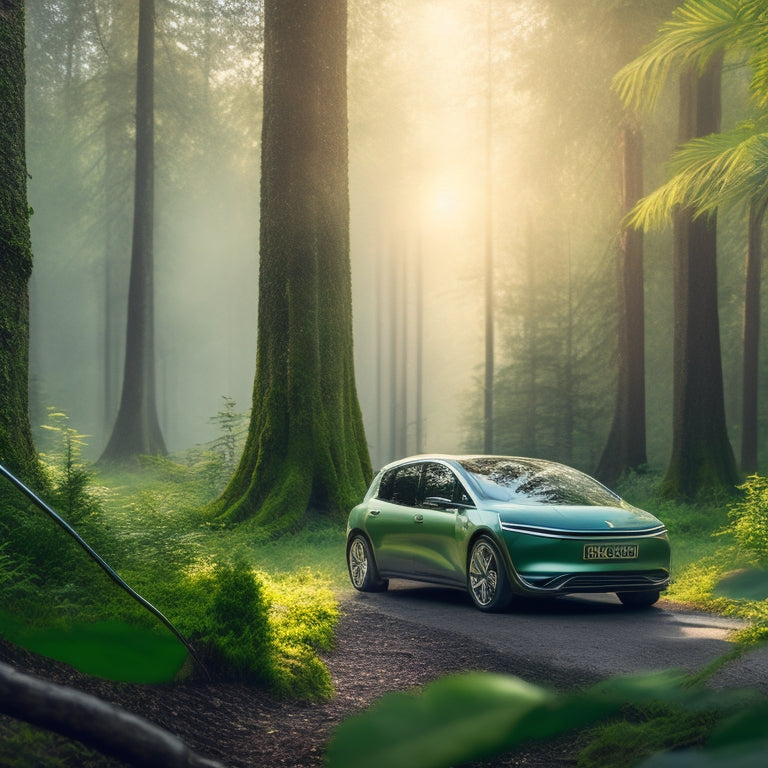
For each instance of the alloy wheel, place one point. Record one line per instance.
(483, 573)
(358, 563)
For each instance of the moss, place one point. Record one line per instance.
(306, 445)
(16, 447)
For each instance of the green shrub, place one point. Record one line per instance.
(749, 519)
(228, 619)
(72, 491)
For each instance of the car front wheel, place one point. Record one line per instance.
(487, 577)
(638, 599)
(362, 567)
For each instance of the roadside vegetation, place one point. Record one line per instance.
(260, 609)
(253, 609)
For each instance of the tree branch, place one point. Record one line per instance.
(96, 723)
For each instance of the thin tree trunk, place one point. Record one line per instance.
(137, 428)
(625, 449)
(702, 460)
(751, 339)
(531, 341)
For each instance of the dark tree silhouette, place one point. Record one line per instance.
(750, 363)
(625, 449)
(137, 429)
(702, 458)
(17, 450)
(306, 446)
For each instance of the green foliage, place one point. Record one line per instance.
(304, 616)
(260, 629)
(474, 716)
(749, 519)
(210, 582)
(722, 168)
(73, 494)
(226, 615)
(22, 746)
(652, 729)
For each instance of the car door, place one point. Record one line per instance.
(438, 552)
(391, 522)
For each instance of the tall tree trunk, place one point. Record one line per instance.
(625, 449)
(137, 429)
(751, 339)
(702, 460)
(17, 450)
(529, 379)
(306, 446)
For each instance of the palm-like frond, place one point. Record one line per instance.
(697, 31)
(707, 173)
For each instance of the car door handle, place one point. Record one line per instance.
(418, 518)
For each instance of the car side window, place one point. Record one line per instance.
(386, 485)
(460, 495)
(438, 480)
(406, 485)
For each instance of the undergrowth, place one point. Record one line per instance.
(255, 613)
(709, 541)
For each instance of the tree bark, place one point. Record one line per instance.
(137, 428)
(751, 339)
(17, 450)
(95, 723)
(625, 449)
(306, 445)
(702, 461)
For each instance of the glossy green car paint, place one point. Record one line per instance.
(534, 528)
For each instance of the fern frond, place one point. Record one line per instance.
(707, 173)
(697, 31)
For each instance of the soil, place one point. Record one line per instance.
(244, 727)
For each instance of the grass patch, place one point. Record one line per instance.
(644, 732)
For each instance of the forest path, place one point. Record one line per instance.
(586, 637)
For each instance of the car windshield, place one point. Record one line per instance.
(540, 482)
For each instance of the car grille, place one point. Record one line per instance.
(559, 533)
(600, 582)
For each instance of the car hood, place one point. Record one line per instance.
(574, 519)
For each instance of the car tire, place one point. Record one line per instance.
(362, 567)
(487, 580)
(639, 599)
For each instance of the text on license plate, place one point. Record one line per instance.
(610, 551)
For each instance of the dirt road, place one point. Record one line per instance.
(583, 637)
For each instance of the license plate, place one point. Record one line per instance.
(610, 551)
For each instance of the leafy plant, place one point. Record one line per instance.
(749, 519)
(73, 493)
(227, 616)
(476, 716)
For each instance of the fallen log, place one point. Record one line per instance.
(94, 722)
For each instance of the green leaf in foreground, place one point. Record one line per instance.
(475, 715)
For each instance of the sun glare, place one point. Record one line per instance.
(445, 201)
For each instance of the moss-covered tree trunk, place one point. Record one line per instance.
(306, 446)
(702, 460)
(625, 448)
(137, 428)
(17, 452)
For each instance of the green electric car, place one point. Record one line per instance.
(501, 526)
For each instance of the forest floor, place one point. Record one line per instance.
(244, 727)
